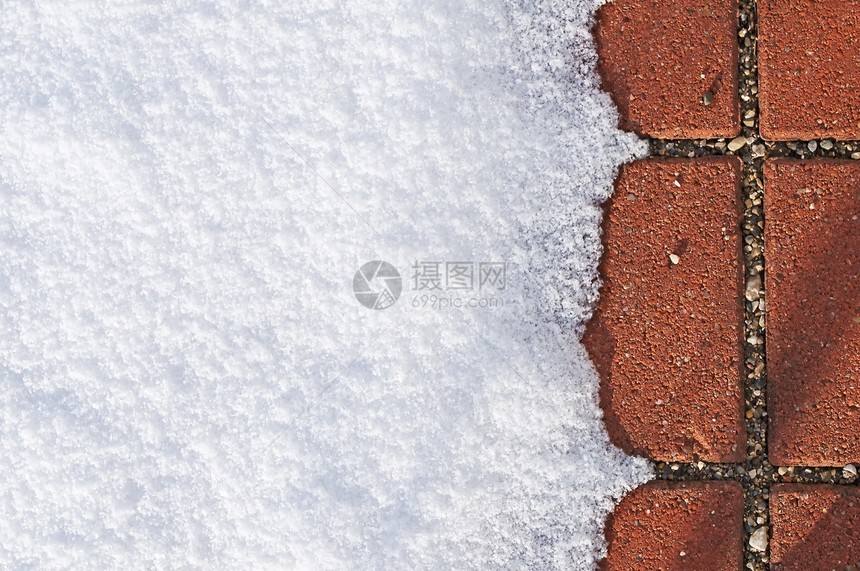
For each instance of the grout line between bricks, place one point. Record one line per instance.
(755, 473)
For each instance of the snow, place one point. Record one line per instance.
(188, 189)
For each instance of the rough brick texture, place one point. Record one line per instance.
(684, 526)
(809, 69)
(667, 337)
(660, 59)
(812, 243)
(815, 528)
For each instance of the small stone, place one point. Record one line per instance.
(737, 143)
(674, 258)
(850, 470)
(855, 156)
(708, 98)
(758, 151)
(812, 145)
(753, 473)
(758, 540)
(826, 144)
(753, 291)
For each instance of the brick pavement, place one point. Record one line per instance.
(666, 338)
(813, 333)
(695, 342)
(810, 69)
(815, 527)
(676, 525)
(665, 81)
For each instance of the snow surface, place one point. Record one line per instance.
(188, 188)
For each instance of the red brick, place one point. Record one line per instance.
(658, 59)
(815, 527)
(689, 526)
(812, 245)
(809, 70)
(666, 338)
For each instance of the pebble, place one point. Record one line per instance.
(812, 145)
(737, 143)
(674, 259)
(850, 470)
(708, 98)
(758, 540)
(826, 144)
(753, 288)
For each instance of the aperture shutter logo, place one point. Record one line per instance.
(377, 285)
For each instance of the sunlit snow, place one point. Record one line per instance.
(187, 190)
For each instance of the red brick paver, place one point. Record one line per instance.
(690, 526)
(666, 337)
(815, 527)
(809, 68)
(663, 60)
(812, 241)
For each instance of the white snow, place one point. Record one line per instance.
(186, 191)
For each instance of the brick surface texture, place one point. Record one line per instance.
(809, 69)
(691, 526)
(666, 338)
(815, 528)
(812, 242)
(659, 73)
